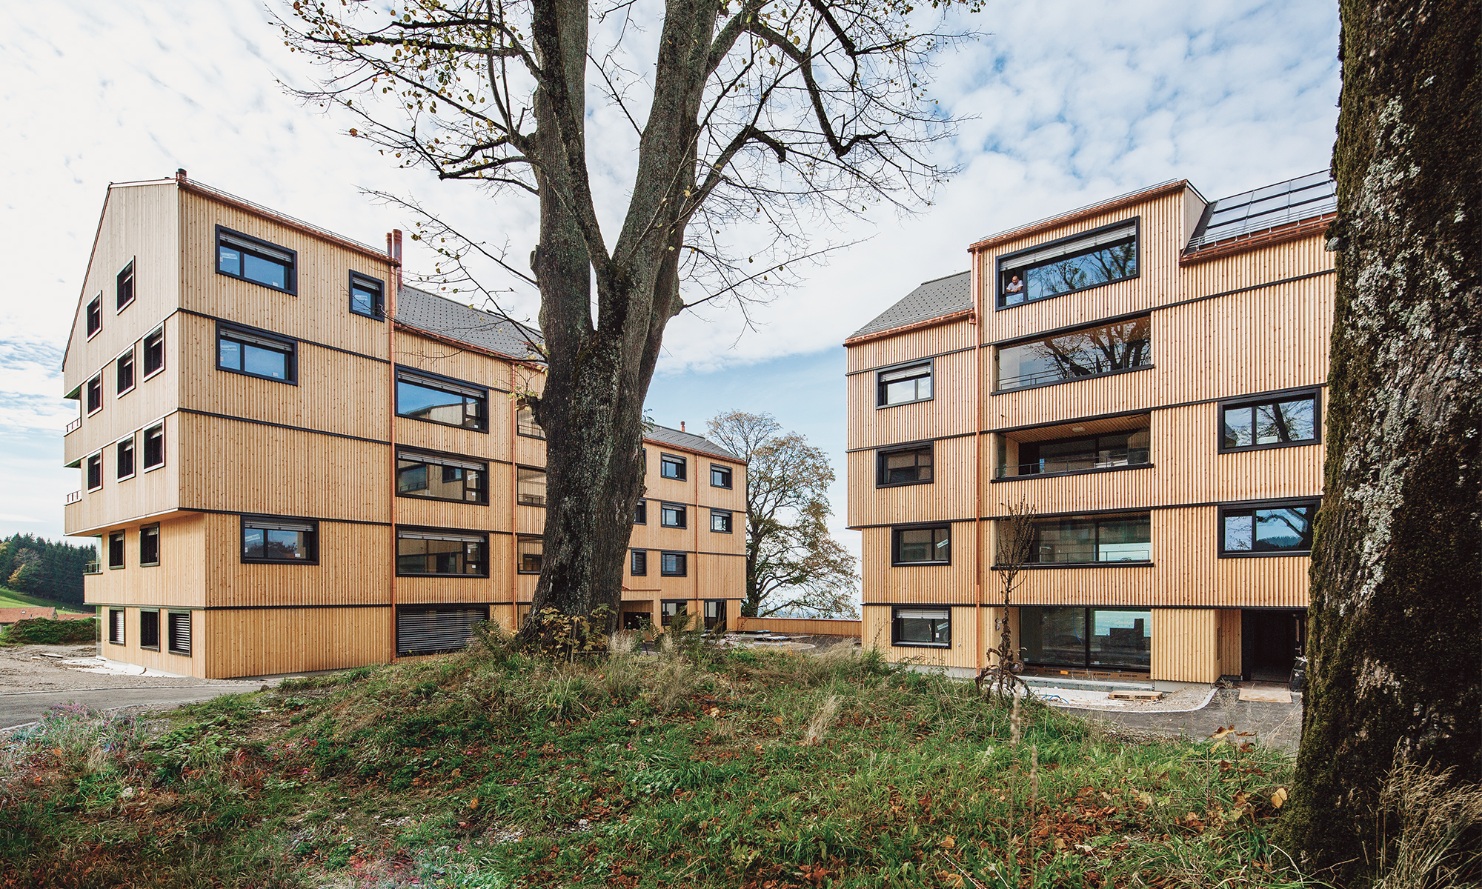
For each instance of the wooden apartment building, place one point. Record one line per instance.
(282, 479)
(1148, 373)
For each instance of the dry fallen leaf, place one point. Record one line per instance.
(1278, 799)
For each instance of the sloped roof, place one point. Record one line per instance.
(457, 321)
(688, 441)
(1266, 208)
(932, 299)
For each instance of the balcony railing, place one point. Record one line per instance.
(1052, 466)
(93, 566)
(74, 497)
(73, 426)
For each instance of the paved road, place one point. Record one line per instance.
(19, 708)
(1276, 725)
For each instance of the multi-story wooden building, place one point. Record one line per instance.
(281, 479)
(1148, 374)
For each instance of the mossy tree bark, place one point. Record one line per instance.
(1395, 637)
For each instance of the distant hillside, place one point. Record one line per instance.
(12, 599)
(46, 569)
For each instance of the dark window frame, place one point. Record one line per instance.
(530, 429)
(118, 459)
(172, 640)
(520, 556)
(931, 374)
(122, 284)
(883, 454)
(726, 473)
(683, 557)
(126, 360)
(1254, 401)
(666, 619)
(263, 339)
(1087, 624)
(638, 559)
(521, 497)
(432, 459)
(263, 250)
(722, 616)
(93, 316)
(94, 384)
(1095, 518)
(158, 332)
(463, 536)
(1252, 507)
(281, 523)
(145, 465)
(895, 628)
(730, 523)
(683, 512)
(121, 539)
(148, 532)
(87, 471)
(117, 635)
(378, 299)
(1000, 263)
(640, 511)
(145, 637)
(447, 386)
(673, 460)
(895, 544)
(998, 349)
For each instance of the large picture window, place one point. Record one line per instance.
(927, 545)
(924, 627)
(1092, 540)
(903, 466)
(1080, 262)
(1102, 638)
(245, 257)
(256, 354)
(441, 553)
(1268, 529)
(287, 541)
(1273, 421)
(441, 401)
(1078, 354)
(435, 477)
(903, 385)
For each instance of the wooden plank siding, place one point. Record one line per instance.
(799, 626)
(260, 642)
(965, 652)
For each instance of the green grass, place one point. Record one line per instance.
(44, 631)
(493, 769)
(11, 599)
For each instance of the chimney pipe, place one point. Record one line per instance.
(180, 175)
(393, 245)
(681, 425)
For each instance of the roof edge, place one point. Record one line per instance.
(1050, 222)
(860, 339)
(1292, 231)
(467, 346)
(309, 228)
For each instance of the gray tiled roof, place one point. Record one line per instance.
(1272, 206)
(458, 321)
(932, 299)
(686, 440)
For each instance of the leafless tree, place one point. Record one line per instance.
(1000, 677)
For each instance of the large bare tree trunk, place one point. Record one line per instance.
(1396, 618)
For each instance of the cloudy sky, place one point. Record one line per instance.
(1066, 102)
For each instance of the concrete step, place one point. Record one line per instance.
(1106, 685)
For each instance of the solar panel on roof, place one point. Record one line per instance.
(1268, 207)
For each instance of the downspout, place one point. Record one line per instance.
(393, 250)
(979, 543)
(514, 510)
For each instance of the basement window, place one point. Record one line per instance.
(249, 259)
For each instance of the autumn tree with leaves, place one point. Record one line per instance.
(793, 564)
(768, 116)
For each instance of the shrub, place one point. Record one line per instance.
(41, 631)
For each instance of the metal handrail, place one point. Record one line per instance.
(1056, 376)
(1135, 457)
(74, 497)
(73, 426)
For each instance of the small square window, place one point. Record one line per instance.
(125, 292)
(116, 550)
(179, 627)
(95, 316)
(149, 545)
(367, 296)
(720, 521)
(671, 466)
(149, 630)
(720, 476)
(672, 515)
(672, 564)
(638, 563)
(154, 447)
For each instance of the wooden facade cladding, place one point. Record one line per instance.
(927, 584)
(948, 412)
(938, 339)
(1186, 645)
(351, 568)
(964, 652)
(257, 642)
(949, 495)
(179, 579)
(148, 493)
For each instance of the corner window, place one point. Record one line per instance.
(149, 545)
(95, 394)
(367, 296)
(640, 513)
(525, 422)
(672, 515)
(125, 292)
(903, 385)
(672, 564)
(435, 477)
(95, 316)
(927, 545)
(149, 630)
(1270, 529)
(671, 609)
(1251, 424)
(1069, 265)
(638, 562)
(179, 632)
(154, 447)
(116, 626)
(289, 541)
(95, 471)
(903, 466)
(256, 354)
(124, 462)
(249, 259)
(116, 550)
(925, 627)
(1077, 354)
(124, 371)
(720, 476)
(671, 466)
(1092, 540)
(436, 400)
(530, 551)
(154, 353)
(720, 521)
(530, 486)
(442, 553)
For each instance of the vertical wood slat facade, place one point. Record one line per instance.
(320, 447)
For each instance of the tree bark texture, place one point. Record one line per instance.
(1395, 638)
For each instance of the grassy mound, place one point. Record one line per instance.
(492, 769)
(41, 631)
(9, 598)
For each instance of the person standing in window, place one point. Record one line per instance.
(1013, 292)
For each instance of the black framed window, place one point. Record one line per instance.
(926, 627)
(367, 296)
(922, 545)
(1077, 354)
(149, 545)
(94, 316)
(149, 630)
(1267, 529)
(640, 513)
(715, 614)
(116, 549)
(124, 372)
(670, 609)
(530, 486)
(903, 466)
(250, 259)
(1084, 453)
(671, 466)
(441, 553)
(287, 541)
(95, 471)
(1086, 540)
(435, 477)
(116, 626)
(529, 553)
(903, 385)
(1270, 422)
(525, 422)
(672, 564)
(124, 294)
(673, 515)
(124, 458)
(256, 354)
(154, 353)
(1069, 265)
(720, 521)
(1101, 638)
(720, 476)
(154, 447)
(442, 401)
(638, 563)
(95, 394)
(178, 627)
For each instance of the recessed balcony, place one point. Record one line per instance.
(1092, 446)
